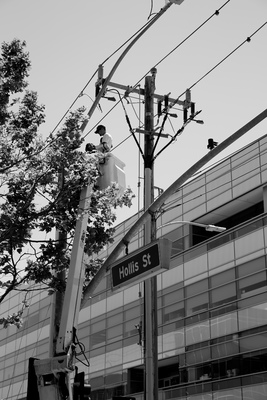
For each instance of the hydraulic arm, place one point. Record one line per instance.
(53, 374)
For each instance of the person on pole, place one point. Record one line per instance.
(105, 144)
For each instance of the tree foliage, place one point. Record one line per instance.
(33, 205)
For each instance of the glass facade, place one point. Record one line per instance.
(212, 330)
(212, 302)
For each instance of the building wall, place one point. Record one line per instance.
(212, 303)
(18, 345)
(212, 315)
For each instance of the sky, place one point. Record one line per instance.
(67, 40)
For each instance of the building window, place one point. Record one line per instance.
(226, 368)
(223, 294)
(225, 349)
(253, 284)
(254, 362)
(251, 267)
(173, 312)
(222, 278)
(255, 342)
(197, 304)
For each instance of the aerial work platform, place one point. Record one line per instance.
(112, 170)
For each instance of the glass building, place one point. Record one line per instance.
(212, 302)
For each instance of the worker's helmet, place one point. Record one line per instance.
(99, 128)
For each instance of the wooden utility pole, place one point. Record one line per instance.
(150, 285)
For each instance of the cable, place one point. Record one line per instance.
(81, 92)
(124, 140)
(74, 101)
(184, 40)
(159, 135)
(200, 79)
(82, 351)
(151, 9)
(111, 55)
(112, 108)
(137, 116)
(248, 39)
(128, 122)
(175, 102)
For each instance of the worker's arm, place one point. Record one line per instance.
(105, 143)
(103, 147)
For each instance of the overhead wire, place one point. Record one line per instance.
(151, 9)
(247, 40)
(89, 81)
(128, 122)
(50, 140)
(183, 41)
(216, 13)
(175, 102)
(81, 92)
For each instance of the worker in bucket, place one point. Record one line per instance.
(105, 144)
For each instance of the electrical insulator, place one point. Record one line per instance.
(166, 101)
(99, 80)
(188, 97)
(185, 115)
(192, 109)
(100, 72)
(159, 108)
(97, 89)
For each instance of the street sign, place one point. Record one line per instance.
(141, 264)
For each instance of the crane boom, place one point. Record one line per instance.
(72, 299)
(53, 374)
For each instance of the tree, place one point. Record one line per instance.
(32, 205)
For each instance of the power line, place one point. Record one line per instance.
(191, 34)
(216, 13)
(77, 97)
(172, 105)
(247, 40)
(200, 79)
(81, 92)
(184, 40)
(52, 140)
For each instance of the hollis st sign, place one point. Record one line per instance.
(141, 264)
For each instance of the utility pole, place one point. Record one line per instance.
(150, 285)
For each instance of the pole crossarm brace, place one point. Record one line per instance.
(162, 199)
(165, 135)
